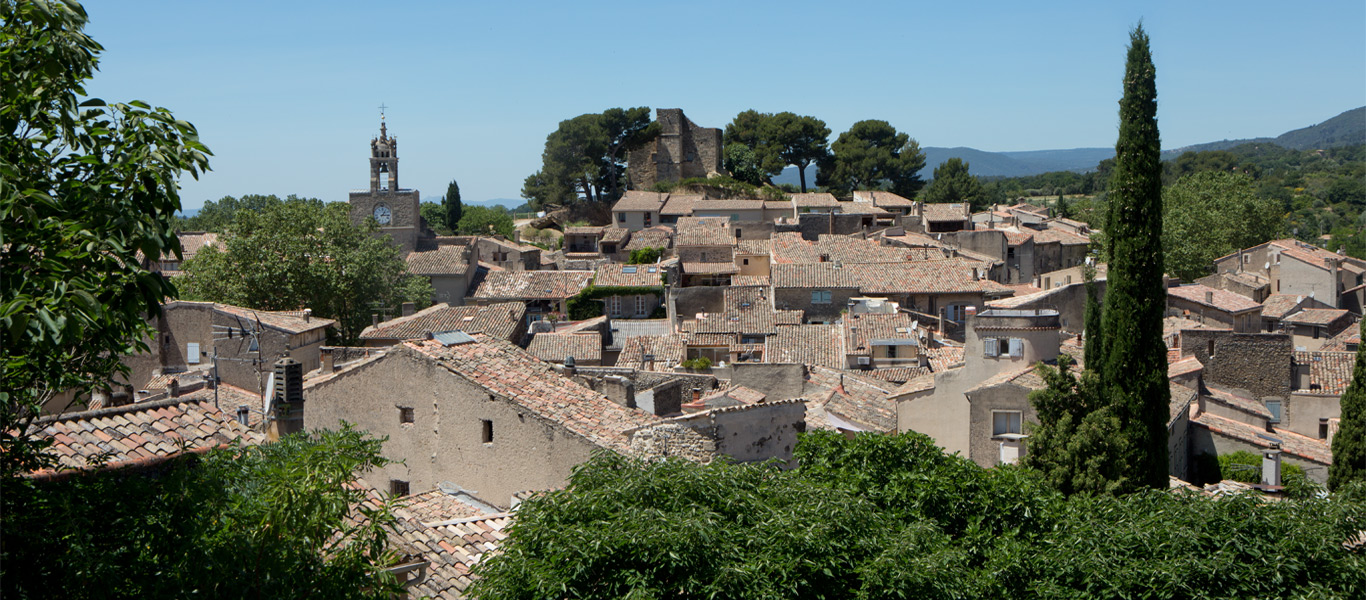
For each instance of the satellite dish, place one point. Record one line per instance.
(1267, 265)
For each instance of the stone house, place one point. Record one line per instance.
(191, 242)
(503, 320)
(188, 334)
(874, 341)
(1001, 346)
(746, 433)
(506, 255)
(753, 258)
(544, 292)
(637, 210)
(1311, 327)
(1214, 434)
(1247, 284)
(1298, 268)
(479, 412)
(1276, 307)
(823, 290)
(613, 241)
(892, 203)
(1214, 307)
(1319, 379)
(682, 150)
(941, 218)
(450, 268)
(1056, 248)
(642, 288)
(706, 251)
(582, 240)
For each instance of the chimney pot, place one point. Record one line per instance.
(1209, 297)
(408, 308)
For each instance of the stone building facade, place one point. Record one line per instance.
(396, 209)
(683, 150)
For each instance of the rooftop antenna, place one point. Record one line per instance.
(245, 331)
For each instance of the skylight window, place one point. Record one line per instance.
(628, 269)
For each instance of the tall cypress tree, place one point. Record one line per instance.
(454, 209)
(1134, 374)
(1095, 332)
(1349, 444)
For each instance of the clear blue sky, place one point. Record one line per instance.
(286, 93)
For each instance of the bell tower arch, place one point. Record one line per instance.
(394, 209)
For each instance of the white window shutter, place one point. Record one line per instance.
(1016, 347)
(990, 345)
(192, 353)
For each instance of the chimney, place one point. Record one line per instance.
(308, 314)
(696, 394)
(408, 309)
(1271, 465)
(174, 388)
(374, 319)
(1332, 264)
(1209, 297)
(329, 361)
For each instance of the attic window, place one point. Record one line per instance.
(651, 269)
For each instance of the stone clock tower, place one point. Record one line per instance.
(395, 208)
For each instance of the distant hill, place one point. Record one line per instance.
(1346, 129)
(508, 203)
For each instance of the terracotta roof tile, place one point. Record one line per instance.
(945, 212)
(862, 331)
(532, 285)
(654, 237)
(704, 231)
(818, 345)
(749, 281)
(640, 200)
(1277, 306)
(556, 347)
(668, 350)
(614, 235)
(444, 260)
(815, 200)
(852, 398)
(882, 199)
(1329, 372)
(1318, 316)
(1291, 443)
(500, 320)
(290, 321)
(618, 275)
(142, 434)
(1347, 341)
(1232, 399)
(1218, 299)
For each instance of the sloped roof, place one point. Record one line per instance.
(556, 347)
(582, 230)
(498, 320)
(668, 351)
(1292, 443)
(1329, 372)
(862, 331)
(1341, 341)
(815, 200)
(444, 260)
(883, 199)
(941, 212)
(818, 345)
(1214, 298)
(654, 237)
(532, 285)
(1318, 316)
(619, 275)
(1062, 236)
(855, 399)
(704, 231)
(614, 235)
(289, 321)
(191, 242)
(508, 371)
(640, 200)
(140, 434)
(1277, 306)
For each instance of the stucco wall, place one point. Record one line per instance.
(1204, 441)
(779, 381)
(800, 299)
(752, 434)
(444, 443)
(982, 449)
(1300, 413)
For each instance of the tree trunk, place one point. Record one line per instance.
(801, 175)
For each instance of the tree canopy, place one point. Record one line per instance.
(87, 188)
(1349, 444)
(872, 155)
(485, 220)
(1210, 214)
(892, 516)
(280, 520)
(585, 157)
(953, 183)
(305, 255)
(451, 202)
(778, 140)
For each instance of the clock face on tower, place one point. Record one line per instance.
(382, 214)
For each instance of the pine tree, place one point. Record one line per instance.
(1134, 372)
(454, 210)
(1349, 444)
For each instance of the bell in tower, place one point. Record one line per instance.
(383, 161)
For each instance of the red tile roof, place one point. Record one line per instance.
(1329, 372)
(500, 320)
(945, 212)
(654, 237)
(139, 434)
(818, 345)
(1214, 298)
(618, 275)
(532, 285)
(614, 235)
(289, 321)
(514, 374)
(749, 281)
(704, 231)
(862, 331)
(444, 260)
(1277, 306)
(882, 199)
(1350, 336)
(1318, 316)
(851, 398)
(668, 350)
(1294, 444)
(556, 347)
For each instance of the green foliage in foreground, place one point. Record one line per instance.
(1246, 467)
(1349, 445)
(894, 517)
(270, 521)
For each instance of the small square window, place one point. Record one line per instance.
(398, 488)
(1005, 421)
(486, 431)
(405, 414)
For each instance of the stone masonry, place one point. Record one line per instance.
(683, 150)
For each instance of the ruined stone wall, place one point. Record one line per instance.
(1257, 362)
(673, 440)
(681, 151)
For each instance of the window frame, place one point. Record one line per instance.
(1018, 422)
